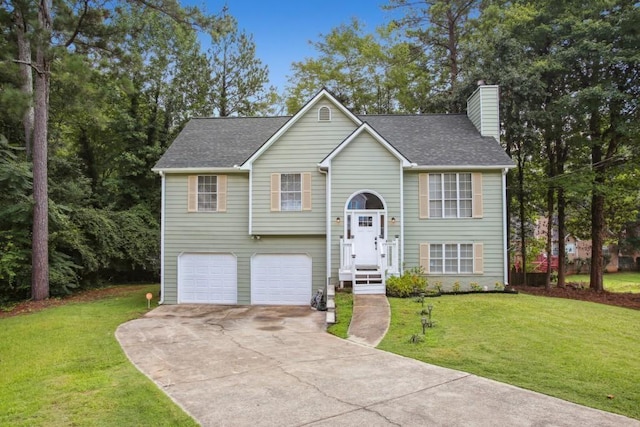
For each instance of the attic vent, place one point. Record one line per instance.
(324, 114)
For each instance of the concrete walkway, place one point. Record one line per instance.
(370, 319)
(276, 366)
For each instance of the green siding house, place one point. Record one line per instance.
(267, 210)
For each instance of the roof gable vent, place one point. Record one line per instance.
(324, 114)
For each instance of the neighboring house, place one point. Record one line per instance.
(268, 210)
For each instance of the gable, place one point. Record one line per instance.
(312, 120)
(368, 133)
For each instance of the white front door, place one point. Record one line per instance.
(365, 233)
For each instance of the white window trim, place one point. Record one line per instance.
(457, 199)
(193, 193)
(297, 192)
(458, 258)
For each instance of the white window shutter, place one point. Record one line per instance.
(275, 192)
(423, 192)
(222, 193)
(478, 261)
(306, 191)
(476, 183)
(424, 257)
(192, 193)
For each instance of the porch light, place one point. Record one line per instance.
(338, 220)
(393, 220)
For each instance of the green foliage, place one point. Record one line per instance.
(15, 214)
(456, 287)
(410, 283)
(475, 287)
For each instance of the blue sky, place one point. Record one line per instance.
(282, 29)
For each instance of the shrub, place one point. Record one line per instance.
(412, 282)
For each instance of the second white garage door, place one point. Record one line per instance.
(281, 279)
(207, 278)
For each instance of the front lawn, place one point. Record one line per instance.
(627, 281)
(344, 310)
(578, 351)
(64, 366)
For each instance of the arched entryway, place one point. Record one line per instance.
(365, 226)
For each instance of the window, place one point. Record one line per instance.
(365, 221)
(324, 114)
(451, 258)
(207, 193)
(450, 195)
(290, 192)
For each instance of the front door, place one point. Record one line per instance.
(365, 233)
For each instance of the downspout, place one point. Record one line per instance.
(162, 226)
(401, 248)
(504, 226)
(327, 219)
(251, 200)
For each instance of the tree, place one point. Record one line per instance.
(439, 27)
(583, 54)
(238, 78)
(75, 27)
(351, 65)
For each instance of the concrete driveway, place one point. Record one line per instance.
(276, 366)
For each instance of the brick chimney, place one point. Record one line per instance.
(483, 110)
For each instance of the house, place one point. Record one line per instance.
(266, 210)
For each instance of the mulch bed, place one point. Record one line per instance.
(571, 291)
(25, 307)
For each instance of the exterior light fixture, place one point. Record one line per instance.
(338, 220)
(393, 220)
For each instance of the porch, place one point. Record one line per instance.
(368, 278)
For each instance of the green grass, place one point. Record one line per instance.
(628, 281)
(577, 351)
(63, 366)
(344, 310)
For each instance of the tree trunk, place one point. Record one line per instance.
(549, 244)
(597, 225)
(40, 242)
(523, 221)
(26, 74)
(597, 220)
(561, 237)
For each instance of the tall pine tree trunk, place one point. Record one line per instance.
(40, 242)
(26, 74)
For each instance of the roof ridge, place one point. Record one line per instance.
(237, 117)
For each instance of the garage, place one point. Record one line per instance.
(281, 279)
(207, 278)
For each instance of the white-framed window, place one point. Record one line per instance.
(450, 195)
(324, 114)
(207, 193)
(451, 258)
(290, 192)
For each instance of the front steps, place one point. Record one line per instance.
(368, 282)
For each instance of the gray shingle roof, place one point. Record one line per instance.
(428, 140)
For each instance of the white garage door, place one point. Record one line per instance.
(207, 278)
(281, 279)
